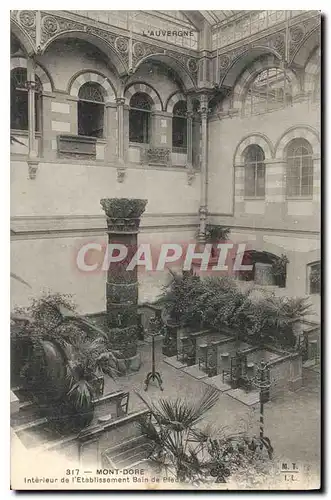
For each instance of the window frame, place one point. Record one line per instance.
(256, 164)
(304, 144)
(147, 116)
(38, 102)
(99, 103)
(180, 119)
(249, 95)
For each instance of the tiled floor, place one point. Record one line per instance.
(292, 421)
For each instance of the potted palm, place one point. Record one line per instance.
(181, 448)
(58, 366)
(178, 445)
(216, 234)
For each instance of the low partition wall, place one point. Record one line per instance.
(87, 447)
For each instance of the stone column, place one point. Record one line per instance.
(120, 139)
(120, 127)
(189, 134)
(123, 219)
(203, 210)
(32, 87)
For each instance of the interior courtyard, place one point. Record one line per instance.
(163, 129)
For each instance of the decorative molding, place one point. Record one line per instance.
(76, 146)
(33, 167)
(254, 69)
(26, 19)
(21, 62)
(173, 99)
(300, 33)
(145, 88)
(296, 132)
(156, 156)
(190, 177)
(121, 174)
(61, 226)
(255, 138)
(92, 76)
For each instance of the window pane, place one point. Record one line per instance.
(260, 181)
(270, 90)
(250, 180)
(299, 168)
(138, 126)
(19, 110)
(91, 92)
(90, 119)
(179, 131)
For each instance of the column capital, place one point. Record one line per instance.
(32, 85)
(120, 101)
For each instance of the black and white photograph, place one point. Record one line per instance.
(165, 249)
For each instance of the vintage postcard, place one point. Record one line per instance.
(165, 249)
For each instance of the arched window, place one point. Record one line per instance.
(179, 125)
(254, 171)
(19, 115)
(91, 110)
(299, 172)
(270, 90)
(139, 118)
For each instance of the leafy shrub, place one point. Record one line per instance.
(214, 302)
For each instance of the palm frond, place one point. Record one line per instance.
(81, 394)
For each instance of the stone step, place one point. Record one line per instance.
(247, 398)
(173, 361)
(195, 372)
(217, 382)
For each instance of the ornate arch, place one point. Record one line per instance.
(173, 99)
(116, 59)
(252, 71)
(22, 35)
(259, 139)
(298, 132)
(231, 69)
(91, 76)
(21, 62)
(185, 68)
(308, 42)
(133, 88)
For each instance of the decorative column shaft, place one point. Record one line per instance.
(189, 133)
(120, 127)
(32, 87)
(123, 219)
(203, 211)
